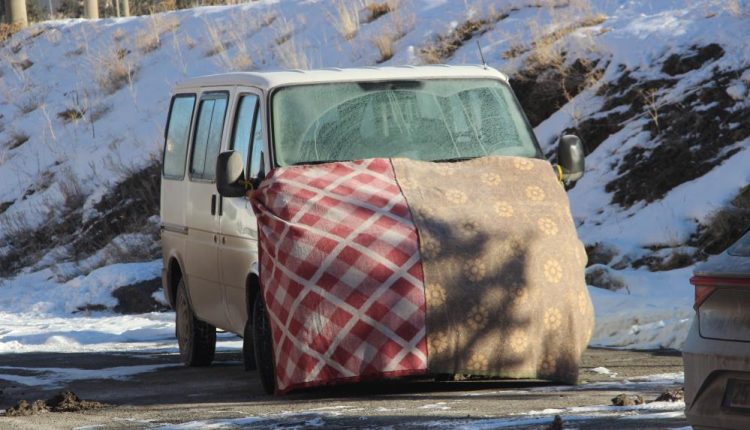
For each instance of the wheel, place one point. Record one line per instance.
(197, 339)
(263, 345)
(248, 351)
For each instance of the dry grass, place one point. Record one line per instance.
(71, 114)
(118, 35)
(236, 59)
(346, 18)
(23, 64)
(71, 190)
(376, 10)
(16, 140)
(733, 7)
(384, 44)
(76, 52)
(543, 47)
(149, 39)
(111, 71)
(29, 103)
(444, 46)
(267, 18)
(290, 56)
(98, 112)
(8, 30)
(651, 105)
(215, 43)
(146, 41)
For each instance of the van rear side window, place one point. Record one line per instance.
(207, 139)
(178, 130)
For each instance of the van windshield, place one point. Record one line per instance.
(431, 120)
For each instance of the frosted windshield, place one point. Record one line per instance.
(430, 120)
(741, 248)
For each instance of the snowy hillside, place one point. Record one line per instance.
(657, 90)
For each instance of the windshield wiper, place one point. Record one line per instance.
(314, 162)
(454, 160)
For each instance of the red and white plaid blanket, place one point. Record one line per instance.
(368, 267)
(341, 274)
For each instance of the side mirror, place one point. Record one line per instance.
(571, 160)
(230, 171)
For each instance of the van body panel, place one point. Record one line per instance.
(238, 248)
(202, 210)
(238, 251)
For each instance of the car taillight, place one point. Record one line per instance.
(706, 285)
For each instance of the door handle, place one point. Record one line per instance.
(215, 239)
(223, 240)
(213, 204)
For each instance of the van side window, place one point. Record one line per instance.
(207, 141)
(178, 131)
(243, 127)
(256, 158)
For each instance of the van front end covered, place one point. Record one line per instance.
(391, 267)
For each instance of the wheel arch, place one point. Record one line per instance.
(252, 287)
(175, 272)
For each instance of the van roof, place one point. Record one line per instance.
(269, 80)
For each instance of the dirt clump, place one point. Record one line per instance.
(672, 395)
(627, 400)
(138, 298)
(677, 65)
(90, 307)
(24, 408)
(600, 253)
(65, 401)
(557, 424)
(656, 263)
(600, 276)
(542, 91)
(68, 401)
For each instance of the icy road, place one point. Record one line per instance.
(151, 390)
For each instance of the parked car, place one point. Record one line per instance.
(717, 350)
(228, 135)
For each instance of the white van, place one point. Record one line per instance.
(209, 233)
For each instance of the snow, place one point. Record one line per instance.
(52, 377)
(738, 91)
(307, 419)
(655, 314)
(38, 314)
(70, 56)
(216, 424)
(442, 406)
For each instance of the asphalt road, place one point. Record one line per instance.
(168, 395)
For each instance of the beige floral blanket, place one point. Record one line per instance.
(503, 268)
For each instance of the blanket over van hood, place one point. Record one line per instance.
(393, 267)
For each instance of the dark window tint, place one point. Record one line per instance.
(208, 136)
(178, 130)
(243, 126)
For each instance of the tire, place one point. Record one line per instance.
(443, 377)
(196, 339)
(263, 345)
(248, 349)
